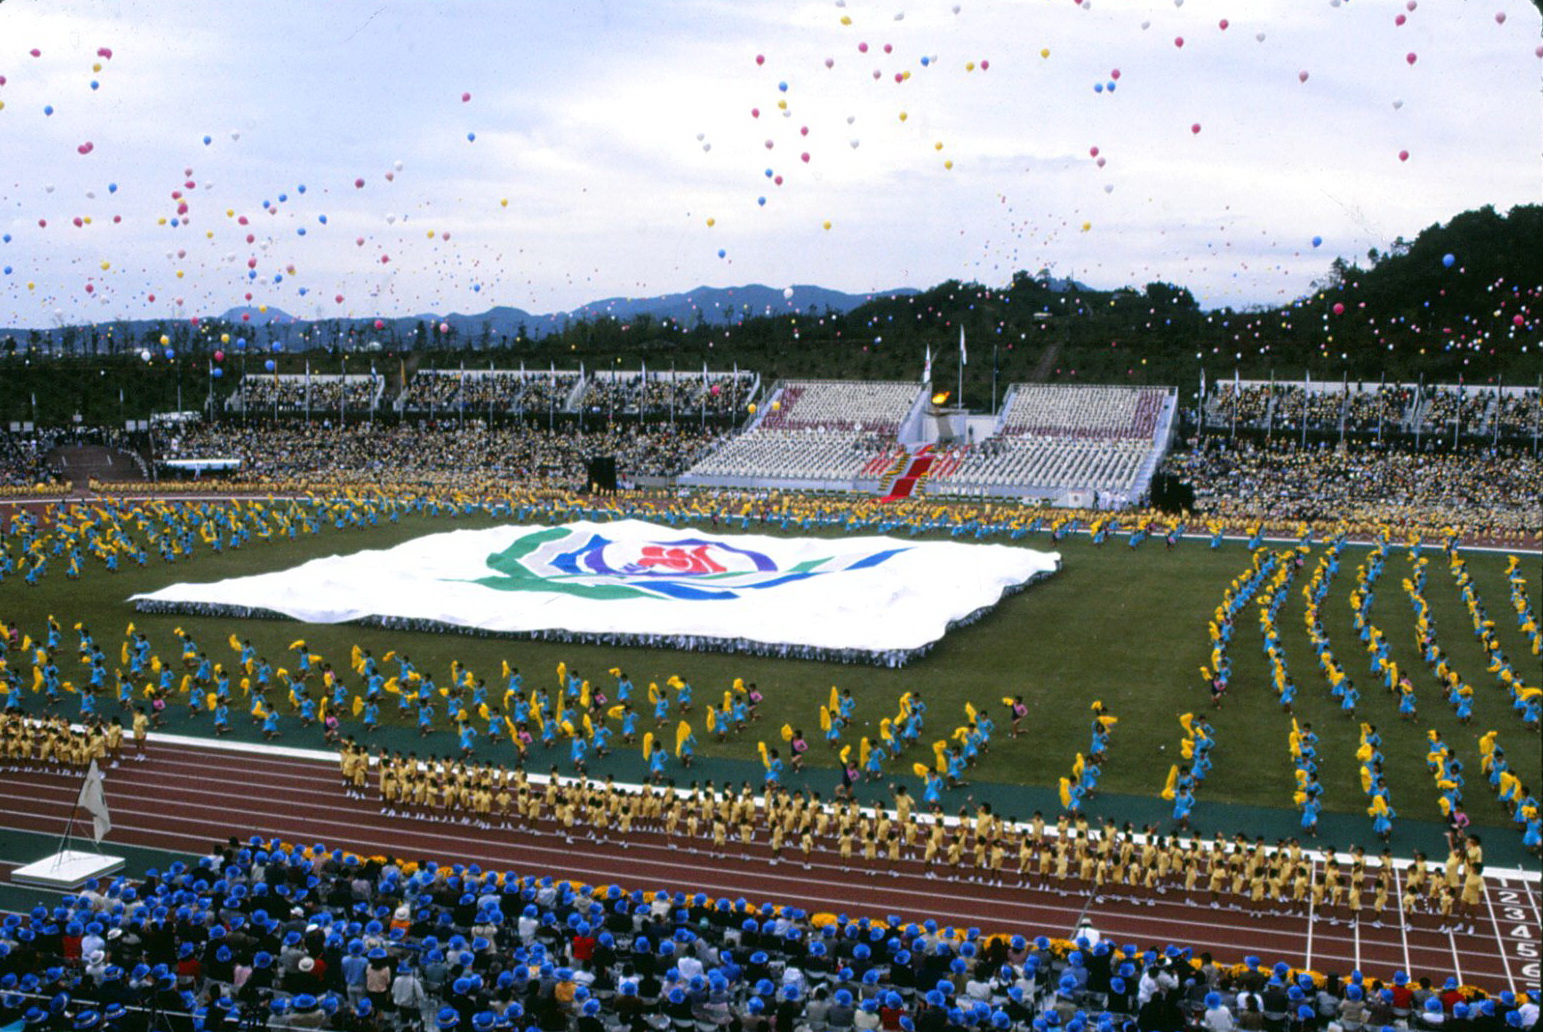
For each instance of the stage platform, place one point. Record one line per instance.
(66, 871)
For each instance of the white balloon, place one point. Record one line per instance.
(700, 137)
(900, 16)
(1259, 36)
(1108, 187)
(855, 143)
(851, 119)
(1146, 25)
(787, 293)
(706, 147)
(397, 166)
(1397, 104)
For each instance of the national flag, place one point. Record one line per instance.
(94, 801)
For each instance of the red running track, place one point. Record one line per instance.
(184, 798)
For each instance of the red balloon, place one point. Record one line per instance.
(1223, 25)
(760, 59)
(219, 356)
(1178, 41)
(1195, 128)
(380, 324)
(1411, 57)
(338, 299)
(1339, 309)
(1403, 155)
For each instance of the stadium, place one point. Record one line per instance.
(1018, 655)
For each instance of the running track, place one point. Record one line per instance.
(186, 796)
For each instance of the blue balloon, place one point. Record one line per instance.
(1110, 85)
(926, 61)
(761, 201)
(278, 277)
(722, 253)
(208, 140)
(217, 372)
(278, 346)
(48, 109)
(283, 197)
(476, 288)
(176, 222)
(7, 270)
(1098, 87)
(301, 188)
(266, 204)
(112, 187)
(768, 173)
(301, 231)
(322, 219)
(95, 85)
(170, 353)
(471, 137)
(251, 274)
(6, 238)
(1317, 241)
(304, 291)
(1449, 260)
(270, 365)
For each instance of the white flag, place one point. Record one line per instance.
(94, 802)
(927, 369)
(964, 358)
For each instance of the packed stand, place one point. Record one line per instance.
(299, 393)
(264, 935)
(1466, 408)
(1486, 492)
(475, 390)
(447, 453)
(838, 405)
(1085, 413)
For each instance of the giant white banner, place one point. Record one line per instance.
(865, 599)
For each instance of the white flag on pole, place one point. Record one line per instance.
(94, 802)
(927, 369)
(964, 358)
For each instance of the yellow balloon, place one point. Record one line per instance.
(711, 223)
(431, 234)
(948, 164)
(846, 19)
(97, 67)
(1087, 226)
(262, 308)
(969, 66)
(827, 223)
(1045, 52)
(782, 104)
(106, 266)
(165, 340)
(224, 338)
(751, 408)
(503, 202)
(938, 145)
(179, 273)
(230, 213)
(902, 116)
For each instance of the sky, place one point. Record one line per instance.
(353, 159)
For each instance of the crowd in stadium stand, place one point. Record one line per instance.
(261, 934)
(1494, 489)
(301, 393)
(21, 459)
(1403, 409)
(447, 453)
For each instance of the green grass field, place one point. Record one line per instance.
(1127, 626)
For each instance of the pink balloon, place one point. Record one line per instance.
(1302, 76)
(219, 356)
(1223, 24)
(1092, 152)
(359, 241)
(1339, 309)
(985, 65)
(862, 48)
(90, 289)
(380, 324)
(1178, 41)
(78, 221)
(1403, 155)
(769, 145)
(35, 52)
(1519, 320)
(805, 157)
(803, 130)
(889, 48)
(105, 52)
(1499, 17)
(1195, 128)
(1410, 6)
(465, 97)
(777, 180)
(760, 59)
(338, 298)
(1411, 57)
(358, 184)
(830, 62)
(900, 77)
(86, 148)
(877, 74)
(1114, 73)
(1399, 20)
(1100, 162)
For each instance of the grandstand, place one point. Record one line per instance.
(290, 394)
(819, 434)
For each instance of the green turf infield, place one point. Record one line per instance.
(1123, 625)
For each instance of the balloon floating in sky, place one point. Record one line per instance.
(1302, 76)
(1195, 128)
(1448, 260)
(1317, 241)
(1403, 155)
(1339, 309)
(722, 253)
(465, 98)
